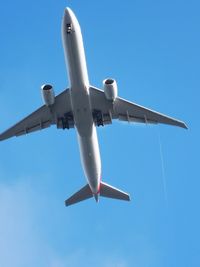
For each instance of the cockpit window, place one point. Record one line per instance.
(69, 27)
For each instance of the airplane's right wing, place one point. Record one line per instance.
(105, 111)
(132, 112)
(60, 114)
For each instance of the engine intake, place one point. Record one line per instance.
(110, 89)
(48, 94)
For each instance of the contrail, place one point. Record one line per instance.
(163, 171)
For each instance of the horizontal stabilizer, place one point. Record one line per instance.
(112, 192)
(105, 191)
(81, 195)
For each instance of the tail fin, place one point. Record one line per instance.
(107, 190)
(81, 195)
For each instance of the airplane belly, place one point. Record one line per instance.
(82, 113)
(80, 100)
(90, 159)
(78, 76)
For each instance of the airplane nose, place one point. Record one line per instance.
(67, 10)
(70, 18)
(68, 14)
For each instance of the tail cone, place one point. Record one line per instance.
(96, 196)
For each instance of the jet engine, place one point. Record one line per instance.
(110, 89)
(48, 94)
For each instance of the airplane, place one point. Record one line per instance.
(85, 107)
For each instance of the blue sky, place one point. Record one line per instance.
(152, 49)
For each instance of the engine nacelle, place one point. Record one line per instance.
(110, 89)
(48, 94)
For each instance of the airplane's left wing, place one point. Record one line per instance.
(60, 113)
(104, 111)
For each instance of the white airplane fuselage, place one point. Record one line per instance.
(80, 100)
(84, 107)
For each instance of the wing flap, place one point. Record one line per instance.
(129, 118)
(36, 127)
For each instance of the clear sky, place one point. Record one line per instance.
(152, 49)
